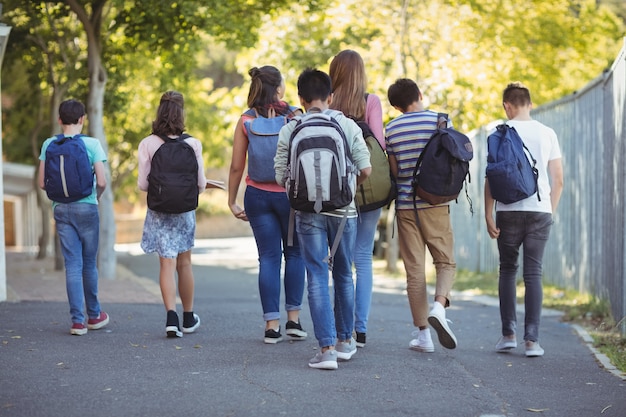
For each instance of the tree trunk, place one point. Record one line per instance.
(107, 259)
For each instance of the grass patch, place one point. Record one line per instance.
(591, 313)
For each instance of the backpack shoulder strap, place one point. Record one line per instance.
(251, 113)
(442, 120)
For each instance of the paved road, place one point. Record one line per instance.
(225, 369)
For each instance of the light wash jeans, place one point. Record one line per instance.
(78, 227)
(268, 213)
(363, 252)
(316, 233)
(529, 230)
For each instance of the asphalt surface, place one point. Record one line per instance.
(130, 368)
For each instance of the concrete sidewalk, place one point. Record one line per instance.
(30, 279)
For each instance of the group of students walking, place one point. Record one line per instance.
(305, 239)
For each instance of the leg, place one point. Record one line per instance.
(412, 251)
(264, 225)
(538, 231)
(87, 218)
(437, 231)
(313, 240)
(72, 254)
(342, 276)
(185, 280)
(293, 278)
(509, 241)
(167, 282)
(363, 252)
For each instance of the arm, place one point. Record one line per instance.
(493, 231)
(393, 165)
(237, 167)
(363, 174)
(101, 181)
(197, 148)
(555, 171)
(42, 167)
(282, 150)
(143, 165)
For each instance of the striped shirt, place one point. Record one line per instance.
(406, 136)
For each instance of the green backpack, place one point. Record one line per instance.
(379, 189)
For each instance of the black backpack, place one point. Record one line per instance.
(173, 178)
(443, 165)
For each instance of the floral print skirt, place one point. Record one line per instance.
(168, 234)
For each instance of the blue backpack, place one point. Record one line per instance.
(68, 173)
(262, 143)
(510, 174)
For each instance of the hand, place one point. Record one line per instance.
(494, 232)
(271, 113)
(238, 212)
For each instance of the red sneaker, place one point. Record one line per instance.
(99, 322)
(78, 329)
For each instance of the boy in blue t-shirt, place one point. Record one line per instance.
(78, 227)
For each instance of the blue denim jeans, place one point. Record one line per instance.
(363, 252)
(316, 233)
(268, 213)
(529, 230)
(78, 227)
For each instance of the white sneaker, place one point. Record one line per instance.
(506, 343)
(345, 350)
(437, 319)
(533, 349)
(423, 342)
(326, 360)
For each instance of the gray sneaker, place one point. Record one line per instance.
(345, 350)
(533, 349)
(325, 360)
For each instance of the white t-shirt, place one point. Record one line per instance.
(543, 144)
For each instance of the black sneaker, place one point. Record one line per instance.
(191, 322)
(272, 336)
(172, 326)
(295, 330)
(360, 339)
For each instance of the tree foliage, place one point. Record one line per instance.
(461, 52)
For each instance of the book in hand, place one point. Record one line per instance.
(215, 184)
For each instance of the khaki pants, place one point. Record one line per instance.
(435, 232)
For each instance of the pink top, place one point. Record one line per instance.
(149, 145)
(374, 117)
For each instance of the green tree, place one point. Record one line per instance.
(138, 24)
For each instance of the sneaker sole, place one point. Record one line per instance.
(421, 349)
(296, 334)
(272, 340)
(360, 344)
(445, 335)
(346, 356)
(173, 331)
(533, 354)
(506, 348)
(328, 365)
(98, 325)
(194, 327)
(78, 332)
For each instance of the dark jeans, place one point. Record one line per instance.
(529, 230)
